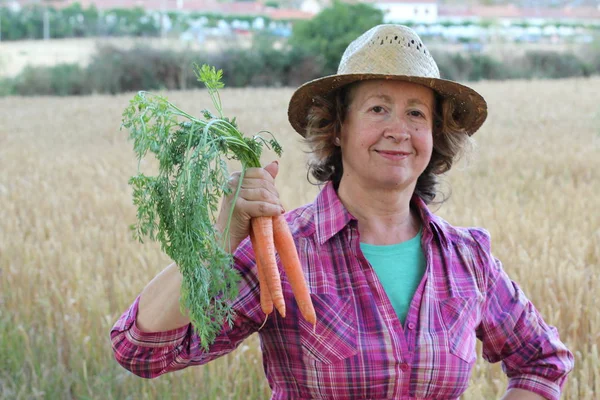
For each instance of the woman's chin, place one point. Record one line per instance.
(398, 183)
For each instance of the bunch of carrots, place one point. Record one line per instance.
(178, 206)
(268, 234)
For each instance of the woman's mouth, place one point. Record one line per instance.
(393, 155)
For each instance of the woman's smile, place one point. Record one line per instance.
(393, 154)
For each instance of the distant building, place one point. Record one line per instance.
(231, 8)
(424, 11)
(311, 6)
(511, 13)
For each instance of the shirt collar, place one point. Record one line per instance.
(431, 222)
(331, 216)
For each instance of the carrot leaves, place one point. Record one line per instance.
(178, 207)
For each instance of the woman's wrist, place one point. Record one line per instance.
(231, 242)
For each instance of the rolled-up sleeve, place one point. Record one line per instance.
(150, 354)
(512, 331)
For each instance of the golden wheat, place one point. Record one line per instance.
(69, 267)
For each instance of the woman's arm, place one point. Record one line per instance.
(159, 308)
(513, 331)
(152, 353)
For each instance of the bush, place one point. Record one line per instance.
(59, 80)
(594, 63)
(590, 55)
(240, 67)
(452, 66)
(114, 70)
(303, 67)
(34, 81)
(534, 64)
(486, 67)
(331, 31)
(263, 65)
(69, 80)
(473, 67)
(548, 64)
(6, 87)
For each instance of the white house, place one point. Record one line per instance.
(416, 11)
(311, 6)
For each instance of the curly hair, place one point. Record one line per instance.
(324, 124)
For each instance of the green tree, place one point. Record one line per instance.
(331, 31)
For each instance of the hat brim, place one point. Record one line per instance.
(470, 111)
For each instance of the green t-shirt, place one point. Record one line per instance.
(400, 268)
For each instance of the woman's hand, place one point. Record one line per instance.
(258, 198)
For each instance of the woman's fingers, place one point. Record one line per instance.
(259, 208)
(258, 197)
(254, 183)
(255, 188)
(260, 194)
(259, 173)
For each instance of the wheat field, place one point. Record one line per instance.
(69, 267)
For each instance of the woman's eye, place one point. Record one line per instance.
(377, 109)
(416, 113)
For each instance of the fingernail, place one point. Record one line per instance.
(276, 162)
(282, 210)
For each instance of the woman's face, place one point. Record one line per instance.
(386, 138)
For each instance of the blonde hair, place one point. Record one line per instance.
(324, 124)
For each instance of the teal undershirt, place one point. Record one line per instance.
(400, 268)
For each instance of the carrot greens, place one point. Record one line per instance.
(178, 207)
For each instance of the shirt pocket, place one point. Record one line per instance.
(459, 316)
(334, 338)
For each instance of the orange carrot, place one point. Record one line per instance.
(284, 242)
(262, 228)
(266, 303)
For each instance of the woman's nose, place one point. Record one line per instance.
(397, 129)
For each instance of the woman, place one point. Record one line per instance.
(400, 294)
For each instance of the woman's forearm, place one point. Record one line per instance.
(159, 307)
(520, 394)
(159, 302)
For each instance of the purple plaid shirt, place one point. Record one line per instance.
(360, 350)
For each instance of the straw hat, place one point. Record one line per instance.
(389, 52)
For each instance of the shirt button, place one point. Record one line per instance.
(411, 326)
(404, 367)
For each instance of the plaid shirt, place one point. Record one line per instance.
(360, 350)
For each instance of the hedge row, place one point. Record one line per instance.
(114, 70)
(535, 64)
